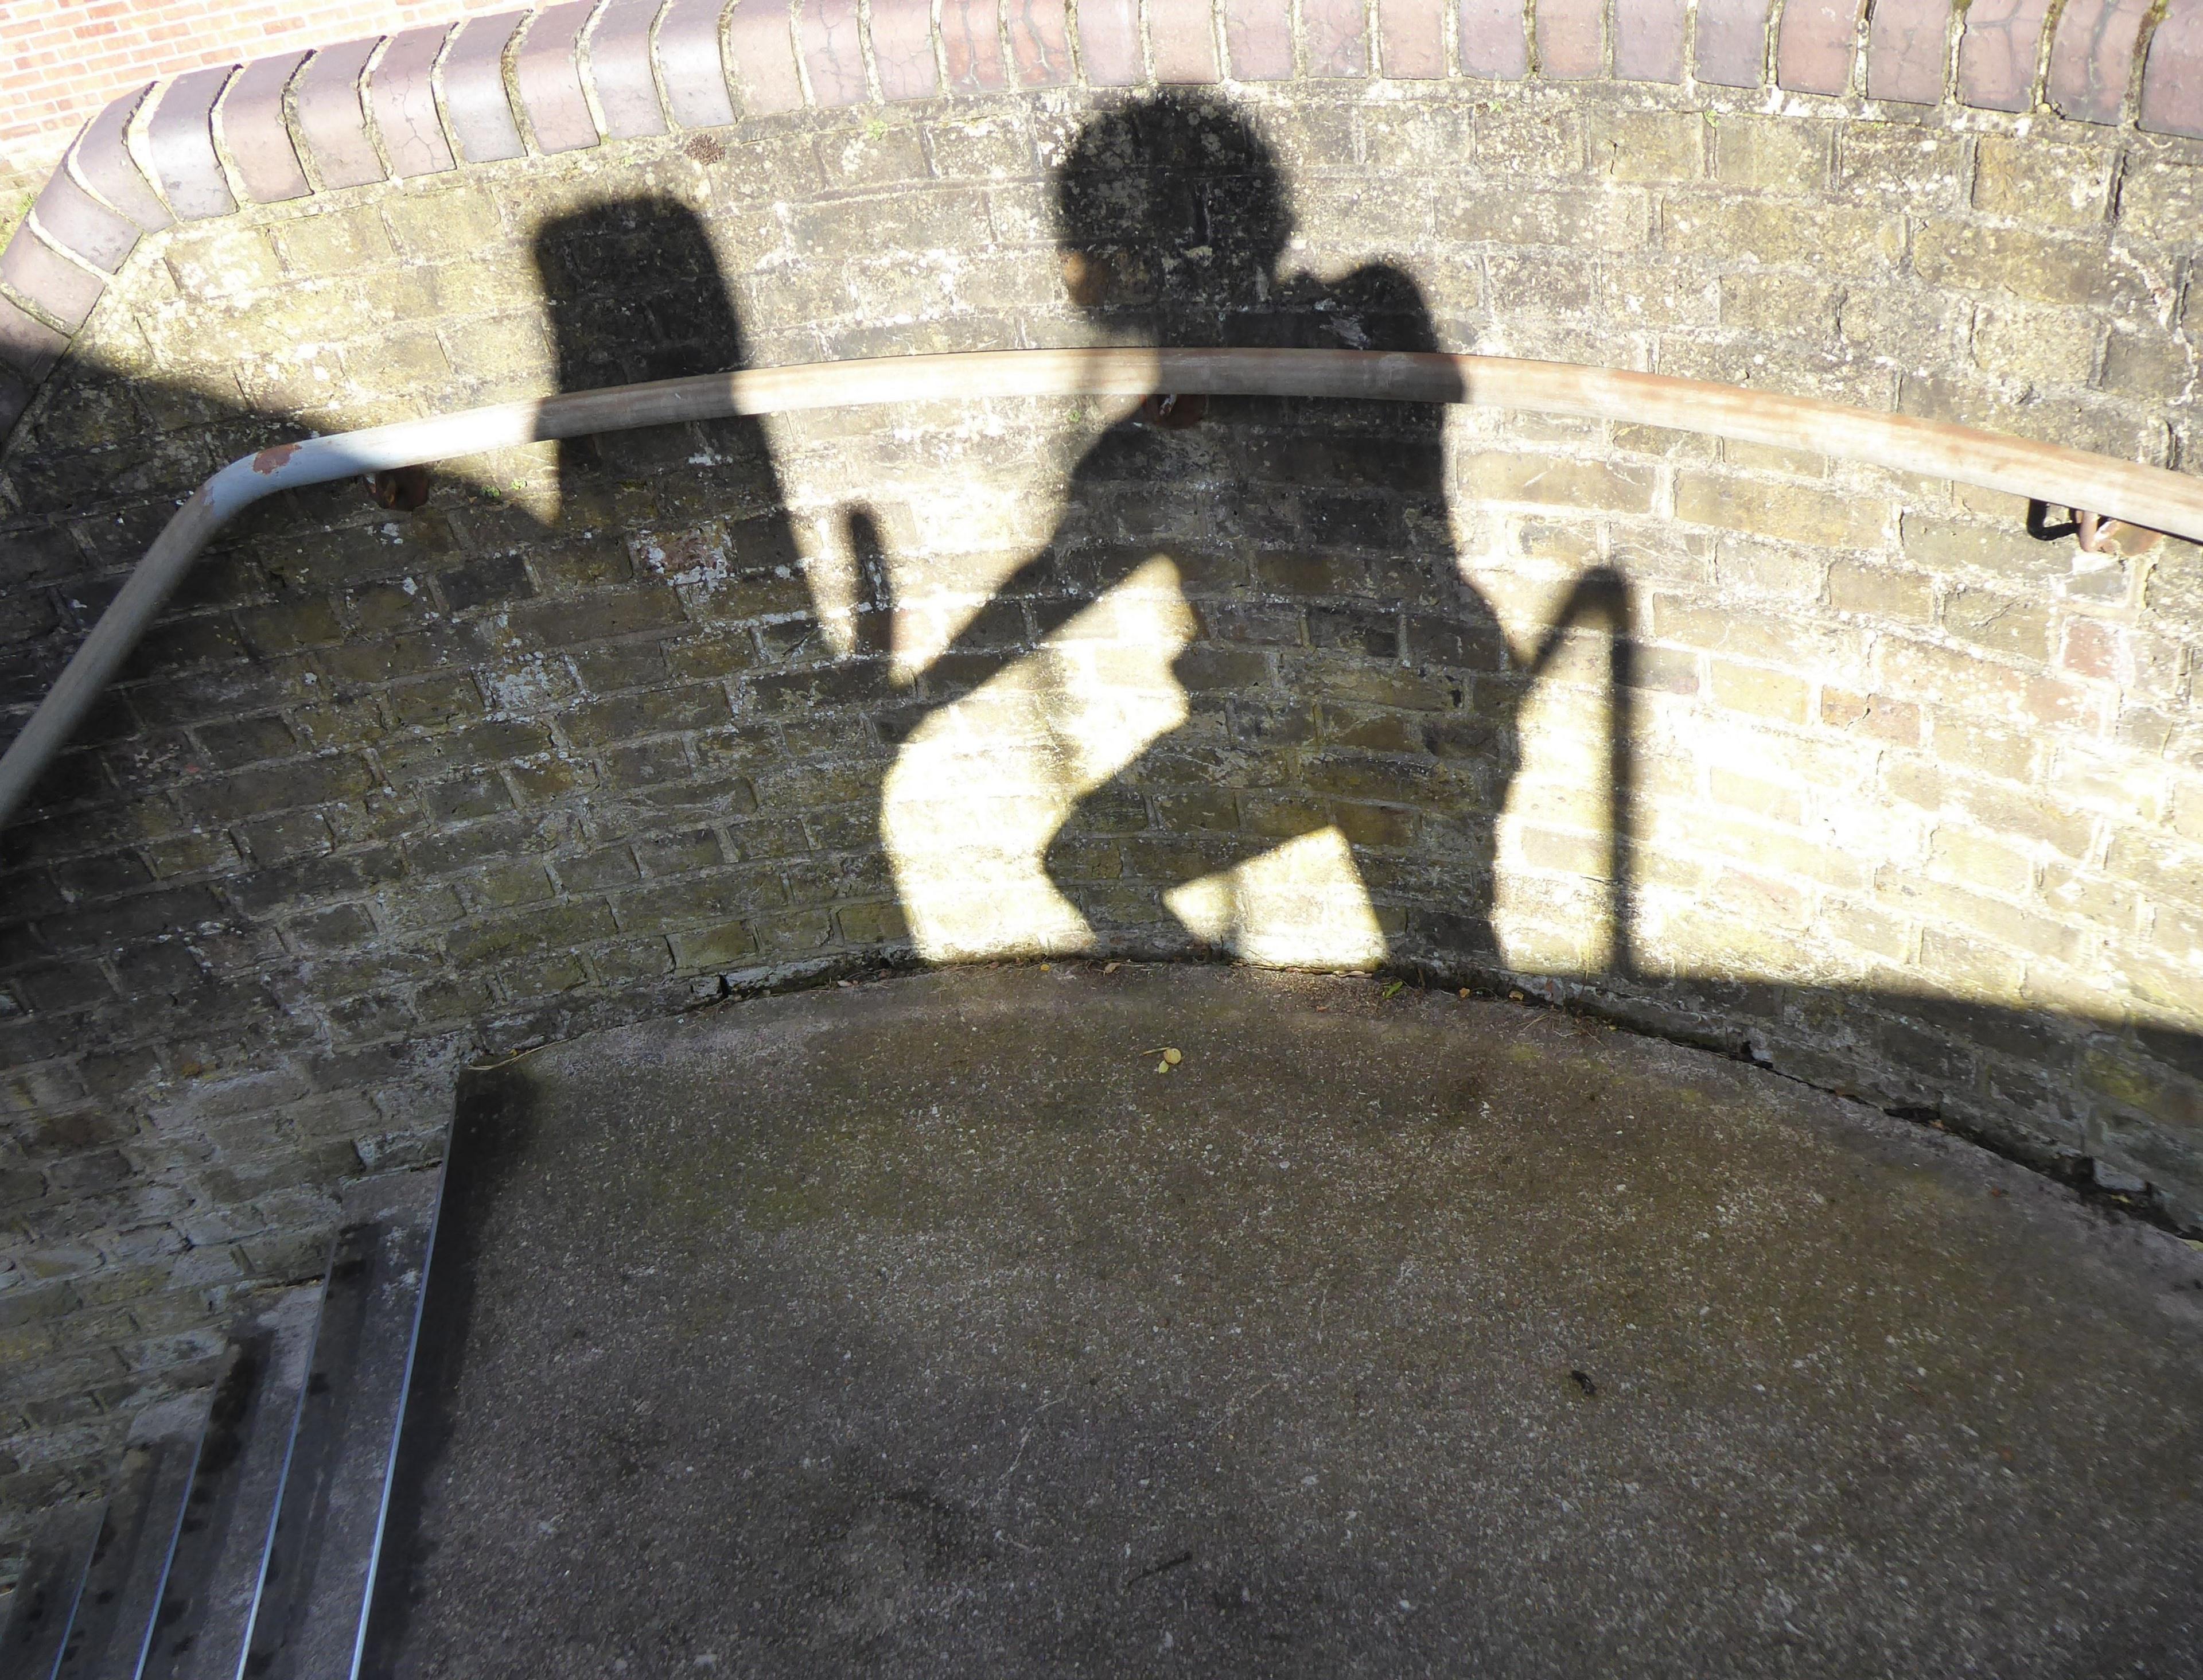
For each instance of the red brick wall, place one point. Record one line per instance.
(62, 60)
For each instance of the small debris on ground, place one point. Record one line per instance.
(1163, 1567)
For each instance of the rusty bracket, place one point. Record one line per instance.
(401, 489)
(2094, 530)
(1174, 413)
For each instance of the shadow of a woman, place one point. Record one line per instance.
(633, 291)
(1347, 724)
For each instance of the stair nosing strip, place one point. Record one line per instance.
(82, 1546)
(398, 1423)
(183, 1505)
(283, 1474)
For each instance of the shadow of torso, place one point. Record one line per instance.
(1338, 680)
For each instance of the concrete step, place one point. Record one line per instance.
(213, 1591)
(314, 1599)
(129, 1570)
(241, 1531)
(43, 1606)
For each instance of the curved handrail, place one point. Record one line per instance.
(2147, 496)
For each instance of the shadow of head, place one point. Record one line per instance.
(1171, 214)
(633, 291)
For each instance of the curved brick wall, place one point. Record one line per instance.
(1913, 798)
(570, 76)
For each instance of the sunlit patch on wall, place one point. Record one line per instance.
(1551, 901)
(984, 784)
(1300, 905)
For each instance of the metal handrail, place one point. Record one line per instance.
(2150, 497)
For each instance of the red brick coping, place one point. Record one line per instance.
(504, 84)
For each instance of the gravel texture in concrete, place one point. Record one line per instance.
(927, 1328)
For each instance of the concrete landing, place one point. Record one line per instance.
(924, 1329)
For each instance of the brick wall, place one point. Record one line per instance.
(62, 60)
(1915, 799)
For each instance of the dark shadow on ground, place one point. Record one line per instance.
(484, 1153)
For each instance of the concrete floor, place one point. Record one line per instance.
(924, 1329)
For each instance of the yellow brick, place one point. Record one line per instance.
(2036, 181)
(2162, 200)
(1880, 592)
(2016, 816)
(2053, 347)
(1569, 854)
(2001, 623)
(1783, 303)
(1901, 162)
(2082, 894)
(2046, 268)
(1756, 568)
(1759, 899)
(1751, 793)
(1647, 145)
(1766, 457)
(2004, 547)
(1767, 848)
(1764, 693)
(338, 243)
(1955, 676)
(2013, 753)
(1865, 928)
(222, 262)
(1978, 861)
(448, 222)
(1785, 154)
(511, 345)
(1513, 136)
(1969, 968)
(1584, 218)
(1560, 482)
(1656, 294)
(1794, 513)
(1763, 637)
(1821, 236)
(1945, 907)
(2187, 809)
